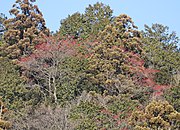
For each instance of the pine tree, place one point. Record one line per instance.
(72, 25)
(161, 52)
(88, 24)
(97, 16)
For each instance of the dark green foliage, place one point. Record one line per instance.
(172, 95)
(161, 52)
(13, 90)
(18, 96)
(11, 83)
(95, 18)
(33, 97)
(85, 113)
(67, 86)
(95, 111)
(71, 25)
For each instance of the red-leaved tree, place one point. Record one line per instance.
(144, 76)
(44, 67)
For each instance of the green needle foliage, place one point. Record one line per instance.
(95, 112)
(95, 18)
(72, 24)
(13, 90)
(11, 83)
(172, 95)
(161, 52)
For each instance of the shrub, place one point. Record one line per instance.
(157, 115)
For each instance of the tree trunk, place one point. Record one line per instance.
(54, 93)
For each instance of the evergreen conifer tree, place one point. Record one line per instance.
(25, 30)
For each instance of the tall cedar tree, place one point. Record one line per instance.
(97, 16)
(116, 64)
(109, 66)
(25, 30)
(162, 53)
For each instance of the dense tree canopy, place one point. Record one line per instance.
(71, 25)
(11, 84)
(97, 72)
(162, 53)
(108, 64)
(53, 68)
(95, 18)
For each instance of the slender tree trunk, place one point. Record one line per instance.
(54, 93)
(49, 82)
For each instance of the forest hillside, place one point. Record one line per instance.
(97, 72)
